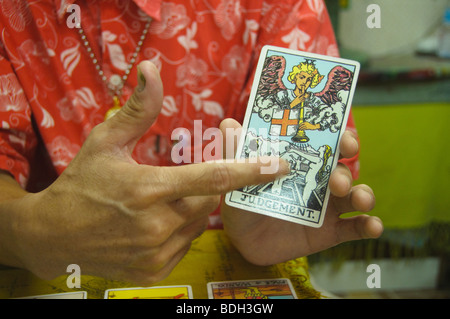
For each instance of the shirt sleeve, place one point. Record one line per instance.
(17, 137)
(298, 25)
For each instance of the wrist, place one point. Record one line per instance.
(10, 230)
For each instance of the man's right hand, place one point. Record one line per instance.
(113, 217)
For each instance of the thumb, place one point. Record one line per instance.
(231, 131)
(141, 109)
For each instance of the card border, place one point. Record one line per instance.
(60, 294)
(256, 80)
(211, 294)
(189, 288)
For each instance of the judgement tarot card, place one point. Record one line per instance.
(298, 110)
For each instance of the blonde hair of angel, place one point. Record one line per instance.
(309, 68)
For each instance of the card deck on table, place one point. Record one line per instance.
(280, 288)
(298, 110)
(161, 292)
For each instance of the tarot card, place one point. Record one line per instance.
(161, 292)
(298, 110)
(64, 295)
(280, 288)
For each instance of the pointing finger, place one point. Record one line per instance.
(220, 177)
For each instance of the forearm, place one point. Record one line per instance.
(9, 188)
(10, 196)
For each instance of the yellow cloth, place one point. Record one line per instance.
(211, 258)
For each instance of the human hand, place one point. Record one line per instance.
(115, 218)
(308, 126)
(264, 240)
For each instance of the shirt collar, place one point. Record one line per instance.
(150, 7)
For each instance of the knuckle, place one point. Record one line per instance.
(161, 186)
(136, 195)
(201, 228)
(96, 136)
(221, 179)
(199, 206)
(97, 130)
(211, 203)
(133, 106)
(151, 277)
(144, 191)
(156, 233)
(156, 267)
(148, 230)
(143, 277)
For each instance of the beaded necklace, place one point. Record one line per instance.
(116, 82)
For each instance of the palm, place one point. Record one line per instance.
(268, 240)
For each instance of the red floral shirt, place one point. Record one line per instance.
(51, 95)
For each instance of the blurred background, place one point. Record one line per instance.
(401, 109)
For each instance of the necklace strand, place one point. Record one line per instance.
(115, 83)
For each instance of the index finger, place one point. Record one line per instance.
(220, 177)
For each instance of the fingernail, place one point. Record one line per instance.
(141, 80)
(355, 141)
(378, 228)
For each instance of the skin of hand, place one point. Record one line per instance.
(264, 240)
(111, 216)
(308, 126)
